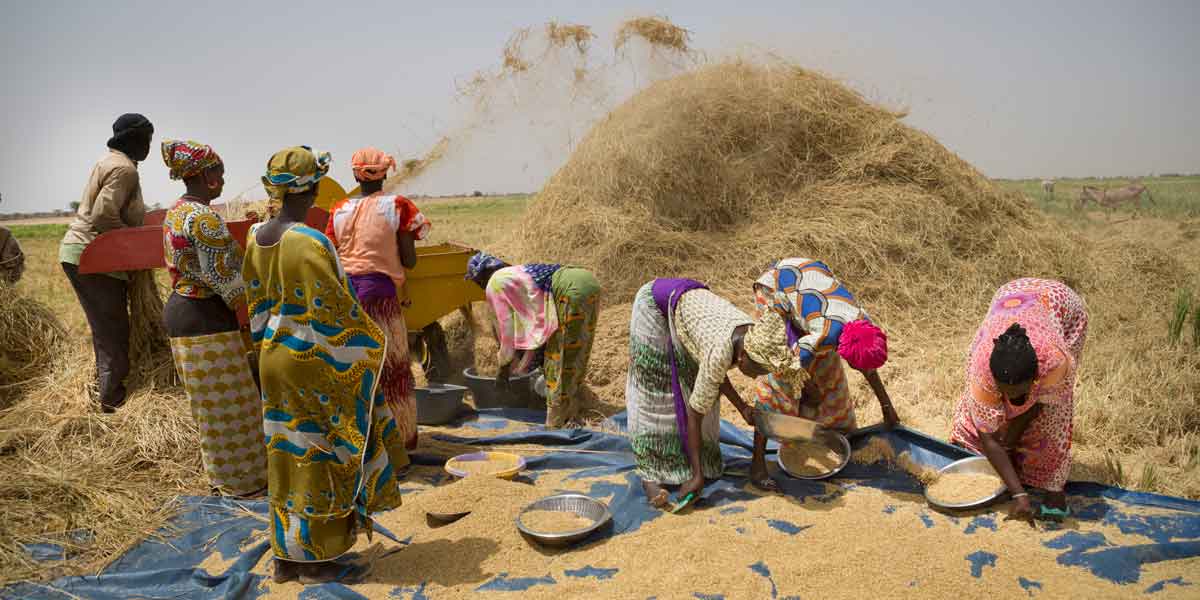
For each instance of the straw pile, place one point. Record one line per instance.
(769, 160)
(772, 160)
(149, 351)
(30, 336)
(91, 483)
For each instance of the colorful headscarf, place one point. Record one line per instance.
(482, 261)
(371, 164)
(863, 345)
(187, 158)
(767, 344)
(294, 170)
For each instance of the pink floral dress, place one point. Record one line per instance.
(1055, 319)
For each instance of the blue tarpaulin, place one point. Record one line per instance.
(168, 566)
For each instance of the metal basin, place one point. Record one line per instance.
(520, 394)
(830, 438)
(784, 427)
(973, 464)
(595, 511)
(439, 403)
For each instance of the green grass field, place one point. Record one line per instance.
(1173, 197)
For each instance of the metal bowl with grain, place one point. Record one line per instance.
(593, 510)
(832, 439)
(972, 464)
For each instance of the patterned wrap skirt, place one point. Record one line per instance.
(577, 299)
(650, 403)
(227, 409)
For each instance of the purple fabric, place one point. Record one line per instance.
(373, 286)
(667, 293)
(793, 336)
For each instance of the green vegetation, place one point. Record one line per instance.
(1183, 306)
(44, 231)
(1174, 197)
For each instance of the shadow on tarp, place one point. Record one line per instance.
(168, 566)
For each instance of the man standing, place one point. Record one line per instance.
(111, 200)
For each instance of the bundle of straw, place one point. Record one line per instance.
(150, 352)
(30, 337)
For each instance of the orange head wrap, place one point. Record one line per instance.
(371, 164)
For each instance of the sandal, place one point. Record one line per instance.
(1053, 514)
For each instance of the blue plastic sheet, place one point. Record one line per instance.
(167, 566)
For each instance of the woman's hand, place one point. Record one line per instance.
(502, 376)
(1022, 508)
(890, 418)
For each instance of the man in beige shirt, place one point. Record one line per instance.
(111, 200)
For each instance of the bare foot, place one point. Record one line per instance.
(286, 571)
(328, 572)
(760, 479)
(691, 486)
(1056, 500)
(655, 494)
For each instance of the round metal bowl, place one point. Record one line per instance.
(506, 464)
(595, 511)
(973, 464)
(830, 438)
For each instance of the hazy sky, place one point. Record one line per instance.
(1020, 89)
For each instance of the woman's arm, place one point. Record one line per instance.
(997, 455)
(1016, 427)
(692, 449)
(890, 418)
(408, 249)
(735, 399)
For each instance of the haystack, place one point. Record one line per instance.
(30, 337)
(718, 172)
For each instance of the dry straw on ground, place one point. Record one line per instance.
(91, 483)
(30, 333)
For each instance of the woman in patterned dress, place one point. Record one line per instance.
(683, 339)
(826, 326)
(1018, 404)
(210, 351)
(545, 314)
(375, 235)
(333, 445)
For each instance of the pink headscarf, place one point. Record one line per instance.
(371, 164)
(863, 345)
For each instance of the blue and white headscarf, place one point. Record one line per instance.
(480, 262)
